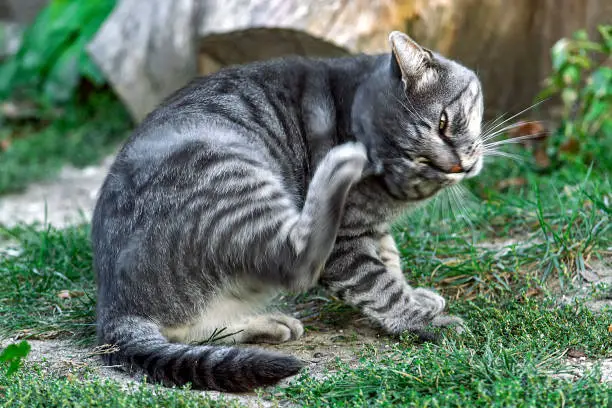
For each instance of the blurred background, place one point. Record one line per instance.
(76, 76)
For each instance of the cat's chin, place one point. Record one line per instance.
(475, 170)
(412, 193)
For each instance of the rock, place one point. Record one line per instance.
(147, 49)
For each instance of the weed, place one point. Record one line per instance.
(582, 77)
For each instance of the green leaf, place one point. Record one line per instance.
(569, 96)
(14, 354)
(606, 35)
(63, 76)
(581, 35)
(600, 82)
(559, 53)
(52, 58)
(571, 75)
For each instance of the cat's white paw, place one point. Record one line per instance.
(349, 160)
(350, 151)
(273, 328)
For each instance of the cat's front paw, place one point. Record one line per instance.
(436, 304)
(449, 321)
(430, 300)
(424, 310)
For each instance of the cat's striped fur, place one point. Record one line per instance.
(268, 177)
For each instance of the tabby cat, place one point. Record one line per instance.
(269, 177)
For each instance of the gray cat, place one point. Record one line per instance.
(270, 177)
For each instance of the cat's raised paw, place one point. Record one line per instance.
(349, 160)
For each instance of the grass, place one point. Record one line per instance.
(523, 241)
(502, 270)
(83, 133)
(505, 360)
(48, 288)
(32, 388)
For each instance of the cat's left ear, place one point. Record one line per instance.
(409, 60)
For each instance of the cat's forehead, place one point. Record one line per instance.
(457, 78)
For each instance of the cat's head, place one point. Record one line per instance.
(420, 116)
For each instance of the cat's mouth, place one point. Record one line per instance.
(452, 176)
(430, 171)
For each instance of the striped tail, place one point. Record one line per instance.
(141, 346)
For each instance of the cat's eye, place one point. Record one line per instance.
(443, 123)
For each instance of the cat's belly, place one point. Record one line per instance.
(227, 310)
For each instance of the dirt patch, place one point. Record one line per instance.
(68, 199)
(576, 367)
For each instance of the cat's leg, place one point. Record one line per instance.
(389, 254)
(274, 245)
(272, 328)
(365, 272)
(313, 233)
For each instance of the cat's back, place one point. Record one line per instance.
(256, 108)
(251, 112)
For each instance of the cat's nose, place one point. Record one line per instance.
(457, 168)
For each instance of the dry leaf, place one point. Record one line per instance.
(535, 137)
(511, 182)
(571, 146)
(540, 156)
(610, 328)
(535, 129)
(574, 353)
(4, 145)
(68, 294)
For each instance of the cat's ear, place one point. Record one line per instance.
(408, 59)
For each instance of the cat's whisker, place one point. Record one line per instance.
(464, 213)
(455, 204)
(489, 125)
(469, 198)
(511, 156)
(417, 111)
(514, 140)
(518, 114)
(450, 205)
(487, 137)
(449, 213)
(460, 194)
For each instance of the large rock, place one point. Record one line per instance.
(148, 49)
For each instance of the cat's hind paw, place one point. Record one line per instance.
(272, 328)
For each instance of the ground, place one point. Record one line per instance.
(522, 335)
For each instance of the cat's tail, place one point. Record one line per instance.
(137, 343)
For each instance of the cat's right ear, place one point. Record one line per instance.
(409, 61)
